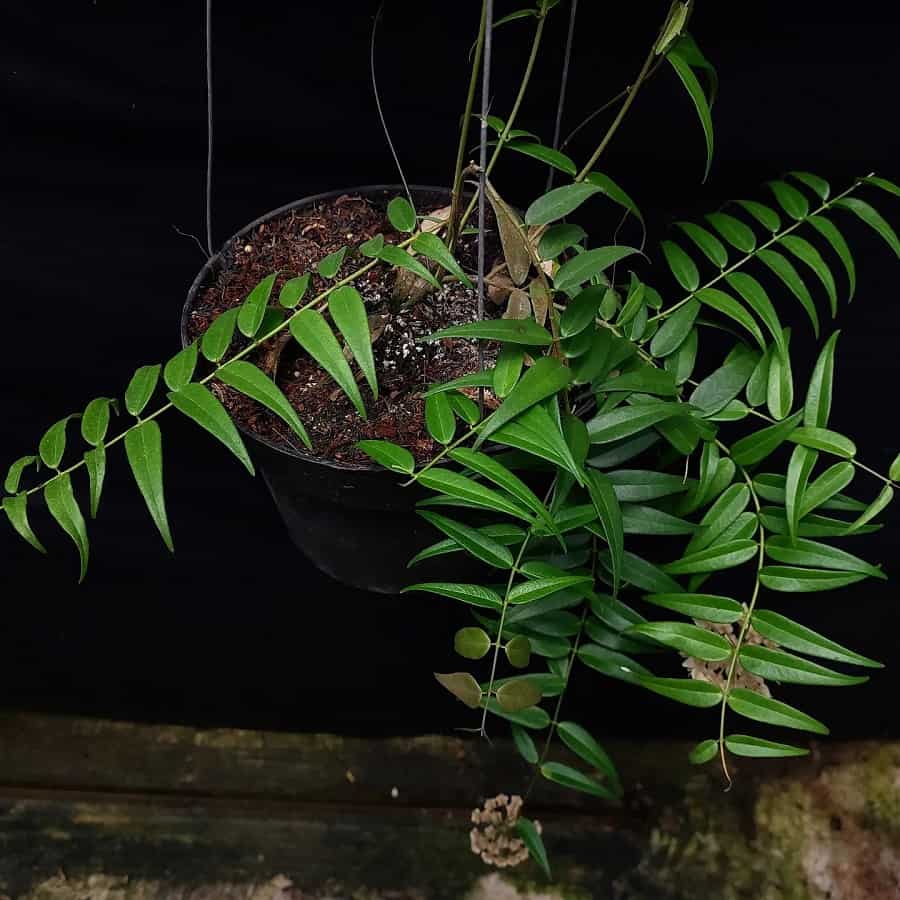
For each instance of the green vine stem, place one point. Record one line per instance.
(745, 624)
(774, 239)
(253, 345)
(456, 191)
(520, 96)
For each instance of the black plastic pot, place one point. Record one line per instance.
(354, 522)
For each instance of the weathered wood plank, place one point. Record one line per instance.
(118, 811)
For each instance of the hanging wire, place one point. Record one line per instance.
(209, 128)
(563, 86)
(482, 173)
(384, 127)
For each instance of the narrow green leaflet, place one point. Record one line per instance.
(819, 186)
(14, 474)
(757, 299)
(95, 463)
(199, 404)
(763, 709)
(883, 183)
(577, 781)
(603, 497)
(179, 370)
(747, 745)
(728, 306)
(330, 265)
(873, 509)
(626, 421)
(95, 420)
(531, 837)
(676, 328)
(538, 588)
(495, 471)
(580, 742)
(790, 199)
(465, 409)
(823, 439)
(682, 266)
(734, 231)
(473, 379)
(872, 218)
(812, 525)
(804, 251)
(472, 492)
(799, 469)
(536, 433)
(805, 552)
(53, 443)
(616, 194)
(691, 640)
(558, 238)
(680, 64)
(473, 594)
(16, 509)
(545, 154)
(401, 214)
(524, 744)
(558, 203)
(827, 486)
(581, 310)
(637, 519)
(508, 368)
(829, 231)
(589, 264)
(293, 291)
(725, 510)
(143, 447)
(713, 559)
(313, 333)
(756, 447)
(894, 471)
(725, 383)
(391, 456)
(787, 633)
(510, 331)
(217, 338)
(708, 243)
(704, 752)
(544, 379)
(502, 533)
(533, 717)
(786, 668)
(348, 312)
(706, 607)
(254, 383)
(398, 257)
(765, 215)
(794, 580)
(474, 542)
(439, 418)
(780, 387)
(63, 506)
(642, 485)
(611, 663)
(431, 246)
(253, 309)
(785, 270)
(684, 690)
(818, 395)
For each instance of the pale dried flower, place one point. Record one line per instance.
(494, 836)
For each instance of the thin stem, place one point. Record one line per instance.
(504, 136)
(209, 127)
(563, 85)
(617, 121)
(482, 177)
(496, 656)
(745, 626)
(456, 191)
(745, 259)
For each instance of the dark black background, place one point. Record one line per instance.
(103, 156)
